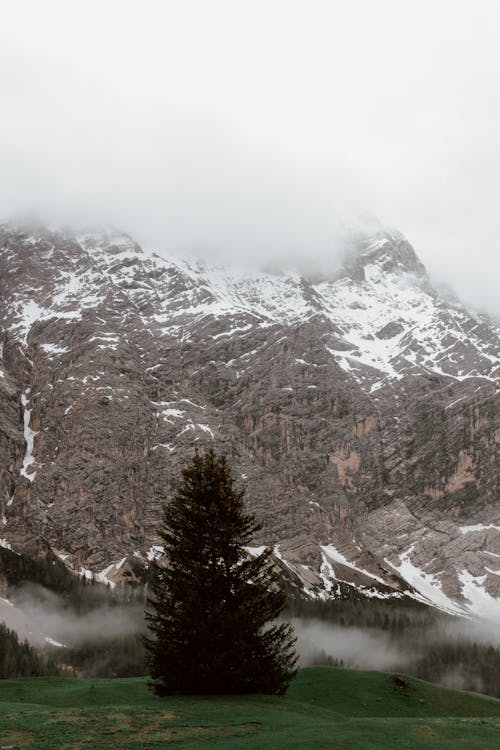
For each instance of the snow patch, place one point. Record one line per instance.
(232, 332)
(29, 436)
(333, 554)
(176, 413)
(255, 551)
(169, 447)
(155, 551)
(52, 642)
(427, 586)
(478, 527)
(327, 573)
(482, 604)
(54, 349)
(206, 428)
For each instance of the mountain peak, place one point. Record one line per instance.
(389, 252)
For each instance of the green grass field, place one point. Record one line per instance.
(324, 708)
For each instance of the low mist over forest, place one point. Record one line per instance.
(100, 630)
(411, 638)
(362, 634)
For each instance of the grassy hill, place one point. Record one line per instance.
(325, 707)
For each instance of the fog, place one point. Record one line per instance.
(38, 614)
(259, 129)
(355, 647)
(374, 648)
(457, 652)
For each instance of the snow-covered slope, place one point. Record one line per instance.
(389, 320)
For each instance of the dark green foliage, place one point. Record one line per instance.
(120, 656)
(109, 655)
(19, 659)
(77, 593)
(355, 610)
(48, 571)
(434, 646)
(211, 607)
(458, 662)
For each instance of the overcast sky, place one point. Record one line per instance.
(253, 128)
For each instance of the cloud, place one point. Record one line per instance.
(178, 179)
(39, 613)
(357, 648)
(256, 129)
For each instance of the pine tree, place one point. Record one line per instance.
(211, 607)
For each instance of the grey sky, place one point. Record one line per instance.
(256, 128)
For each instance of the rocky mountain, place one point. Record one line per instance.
(360, 410)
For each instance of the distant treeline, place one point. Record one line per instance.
(439, 651)
(19, 659)
(121, 656)
(79, 593)
(440, 655)
(355, 610)
(463, 664)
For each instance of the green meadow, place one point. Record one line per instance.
(325, 707)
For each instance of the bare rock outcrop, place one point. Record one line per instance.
(361, 411)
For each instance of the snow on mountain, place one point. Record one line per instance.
(390, 321)
(359, 405)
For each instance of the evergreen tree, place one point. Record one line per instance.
(211, 607)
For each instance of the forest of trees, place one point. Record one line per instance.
(77, 592)
(109, 655)
(439, 650)
(19, 659)
(115, 656)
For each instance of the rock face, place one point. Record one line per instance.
(361, 411)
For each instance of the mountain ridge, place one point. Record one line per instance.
(356, 409)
